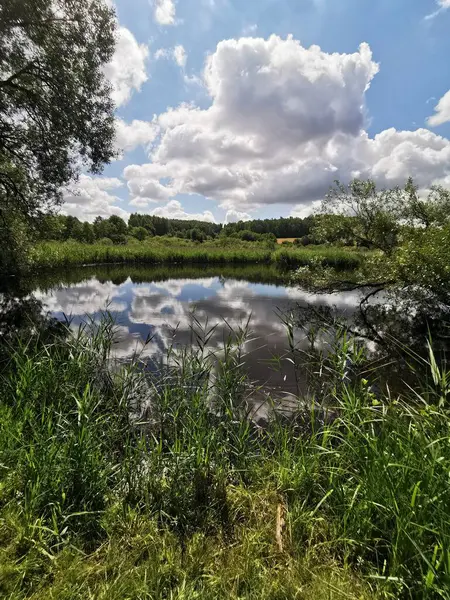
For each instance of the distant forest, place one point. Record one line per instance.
(63, 228)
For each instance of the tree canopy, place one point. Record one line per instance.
(56, 111)
(291, 227)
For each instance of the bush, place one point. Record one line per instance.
(106, 242)
(139, 233)
(197, 235)
(248, 236)
(306, 240)
(119, 239)
(131, 240)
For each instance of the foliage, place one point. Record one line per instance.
(290, 227)
(380, 219)
(55, 107)
(104, 494)
(175, 227)
(197, 235)
(432, 211)
(172, 250)
(361, 213)
(106, 241)
(140, 233)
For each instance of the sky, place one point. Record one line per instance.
(239, 109)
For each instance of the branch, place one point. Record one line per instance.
(20, 72)
(363, 312)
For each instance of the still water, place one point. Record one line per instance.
(159, 304)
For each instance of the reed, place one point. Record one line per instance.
(50, 255)
(119, 484)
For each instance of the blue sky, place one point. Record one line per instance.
(273, 122)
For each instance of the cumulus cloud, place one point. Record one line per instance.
(442, 110)
(126, 71)
(234, 216)
(174, 210)
(164, 12)
(137, 133)
(90, 197)
(284, 122)
(147, 184)
(87, 297)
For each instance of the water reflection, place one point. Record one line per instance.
(162, 311)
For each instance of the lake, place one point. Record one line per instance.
(159, 304)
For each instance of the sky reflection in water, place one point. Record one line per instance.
(163, 311)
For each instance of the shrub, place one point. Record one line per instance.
(139, 233)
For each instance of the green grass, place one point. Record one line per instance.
(116, 485)
(49, 255)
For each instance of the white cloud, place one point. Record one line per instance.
(442, 5)
(144, 184)
(174, 210)
(442, 110)
(89, 197)
(249, 29)
(126, 71)
(164, 12)
(137, 133)
(302, 210)
(180, 56)
(193, 80)
(234, 216)
(177, 53)
(84, 298)
(284, 122)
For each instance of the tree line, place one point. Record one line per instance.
(140, 227)
(291, 227)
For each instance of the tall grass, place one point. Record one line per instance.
(337, 258)
(172, 251)
(119, 484)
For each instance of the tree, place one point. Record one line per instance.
(51, 227)
(100, 228)
(56, 112)
(116, 229)
(359, 212)
(281, 228)
(429, 211)
(197, 235)
(88, 233)
(248, 236)
(73, 229)
(140, 233)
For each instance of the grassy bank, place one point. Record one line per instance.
(119, 486)
(51, 255)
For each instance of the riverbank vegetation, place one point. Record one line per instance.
(119, 484)
(157, 250)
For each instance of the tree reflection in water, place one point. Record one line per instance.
(393, 323)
